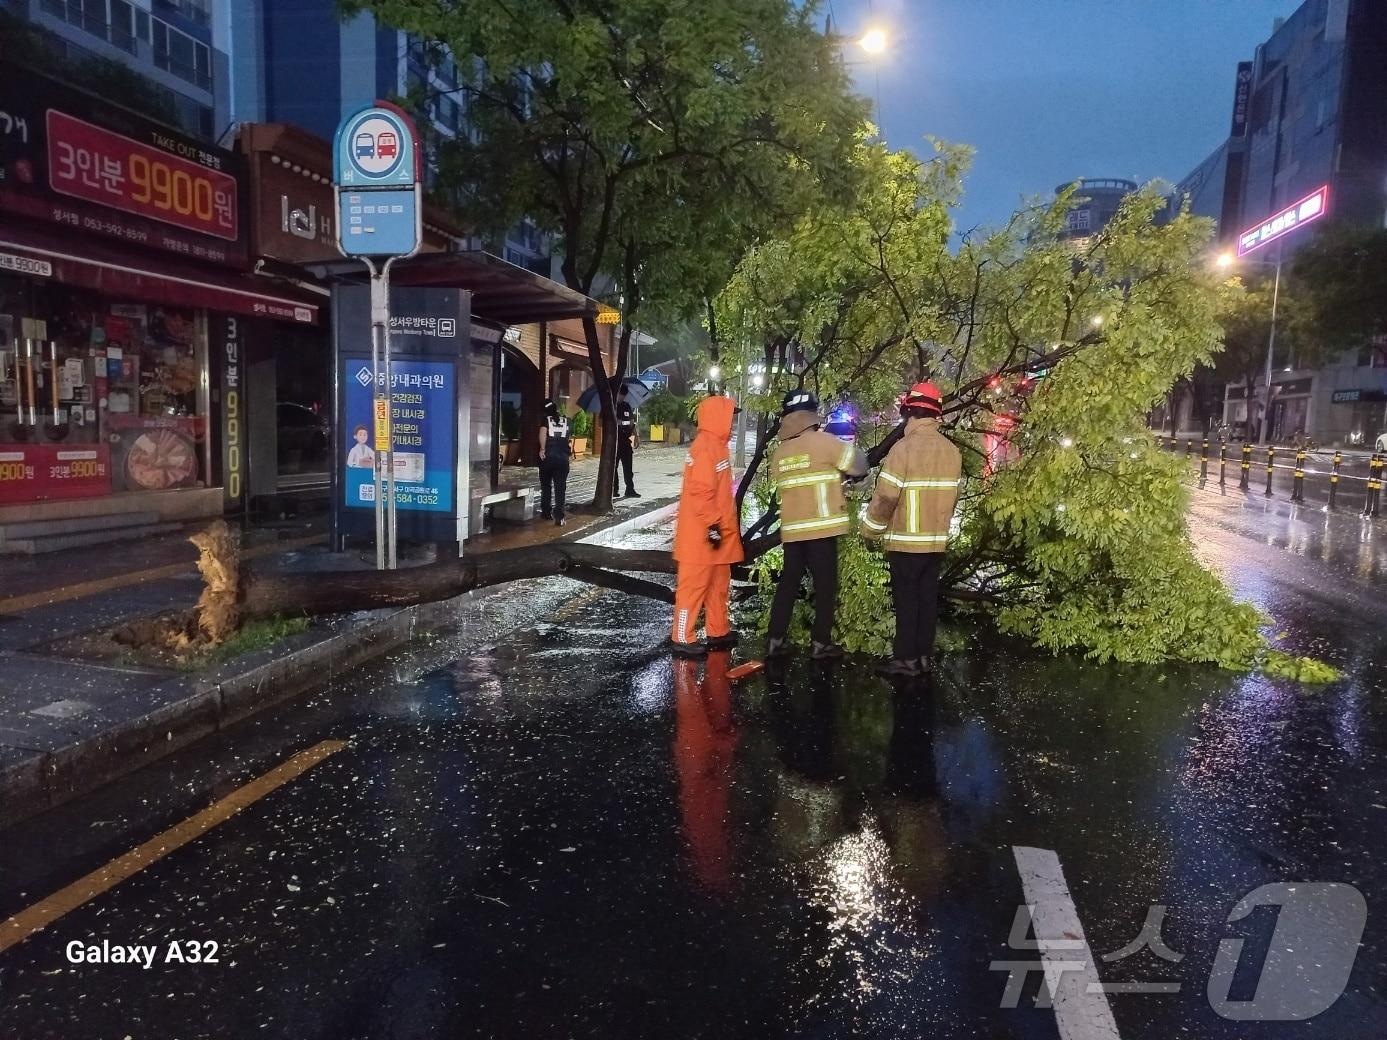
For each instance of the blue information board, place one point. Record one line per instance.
(378, 223)
(423, 428)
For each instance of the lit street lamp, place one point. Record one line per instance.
(873, 41)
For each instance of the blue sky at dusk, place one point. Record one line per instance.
(1051, 90)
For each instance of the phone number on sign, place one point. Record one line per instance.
(90, 163)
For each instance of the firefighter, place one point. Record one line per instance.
(707, 535)
(808, 467)
(627, 438)
(555, 450)
(910, 513)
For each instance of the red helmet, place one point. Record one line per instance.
(924, 396)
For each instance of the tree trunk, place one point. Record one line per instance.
(264, 594)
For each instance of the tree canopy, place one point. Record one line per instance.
(656, 139)
(1049, 354)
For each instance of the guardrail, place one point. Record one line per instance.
(1302, 464)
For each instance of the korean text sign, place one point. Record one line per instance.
(424, 426)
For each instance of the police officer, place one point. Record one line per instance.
(808, 467)
(910, 513)
(627, 438)
(555, 449)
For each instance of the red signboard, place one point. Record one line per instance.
(70, 158)
(90, 163)
(31, 472)
(1313, 206)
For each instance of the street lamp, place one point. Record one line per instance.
(873, 41)
(1227, 260)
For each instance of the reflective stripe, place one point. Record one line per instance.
(816, 525)
(725, 464)
(805, 480)
(823, 499)
(891, 478)
(930, 484)
(872, 525)
(846, 460)
(921, 539)
(912, 499)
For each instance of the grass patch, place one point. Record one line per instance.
(259, 634)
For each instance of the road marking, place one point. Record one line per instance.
(42, 914)
(77, 590)
(1081, 1011)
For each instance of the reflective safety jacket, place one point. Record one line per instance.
(707, 496)
(808, 467)
(916, 491)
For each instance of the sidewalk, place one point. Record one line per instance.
(68, 725)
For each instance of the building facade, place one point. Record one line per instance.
(298, 62)
(168, 44)
(1309, 112)
(1094, 203)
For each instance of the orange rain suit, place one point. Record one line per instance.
(705, 570)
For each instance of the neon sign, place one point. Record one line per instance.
(1307, 209)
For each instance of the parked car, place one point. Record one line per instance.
(305, 439)
(1381, 443)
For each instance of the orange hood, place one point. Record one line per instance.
(715, 416)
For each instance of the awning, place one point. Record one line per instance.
(501, 291)
(152, 278)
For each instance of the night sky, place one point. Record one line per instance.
(1051, 90)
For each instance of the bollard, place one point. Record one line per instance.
(1173, 442)
(1298, 487)
(1334, 479)
(1370, 504)
(1189, 449)
(1222, 464)
(1271, 465)
(1204, 460)
(1247, 468)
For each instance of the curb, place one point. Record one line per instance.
(187, 709)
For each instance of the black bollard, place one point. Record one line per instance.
(1247, 468)
(1223, 464)
(1271, 465)
(1334, 479)
(1370, 507)
(1298, 488)
(1204, 461)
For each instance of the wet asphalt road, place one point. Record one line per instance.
(565, 834)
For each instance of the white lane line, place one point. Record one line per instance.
(1081, 1008)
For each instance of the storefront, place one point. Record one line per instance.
(125, 307)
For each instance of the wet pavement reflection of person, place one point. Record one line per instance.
(704, 740)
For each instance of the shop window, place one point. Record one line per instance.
(98, 395)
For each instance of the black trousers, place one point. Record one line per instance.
(819, 556)
(915, 593)
(553, 487)
(623, 456)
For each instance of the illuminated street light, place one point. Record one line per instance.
(758, 381)
(1096, 320)
(714, 371)
(1225, 260)
(873, 41)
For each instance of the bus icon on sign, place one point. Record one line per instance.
(366, 146)
(387, 146)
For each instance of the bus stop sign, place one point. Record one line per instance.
(375, 148)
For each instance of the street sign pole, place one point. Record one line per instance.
(380, 219)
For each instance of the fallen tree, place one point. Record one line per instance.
(234, 593)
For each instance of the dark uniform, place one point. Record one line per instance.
(626, 436)
(553, 468)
